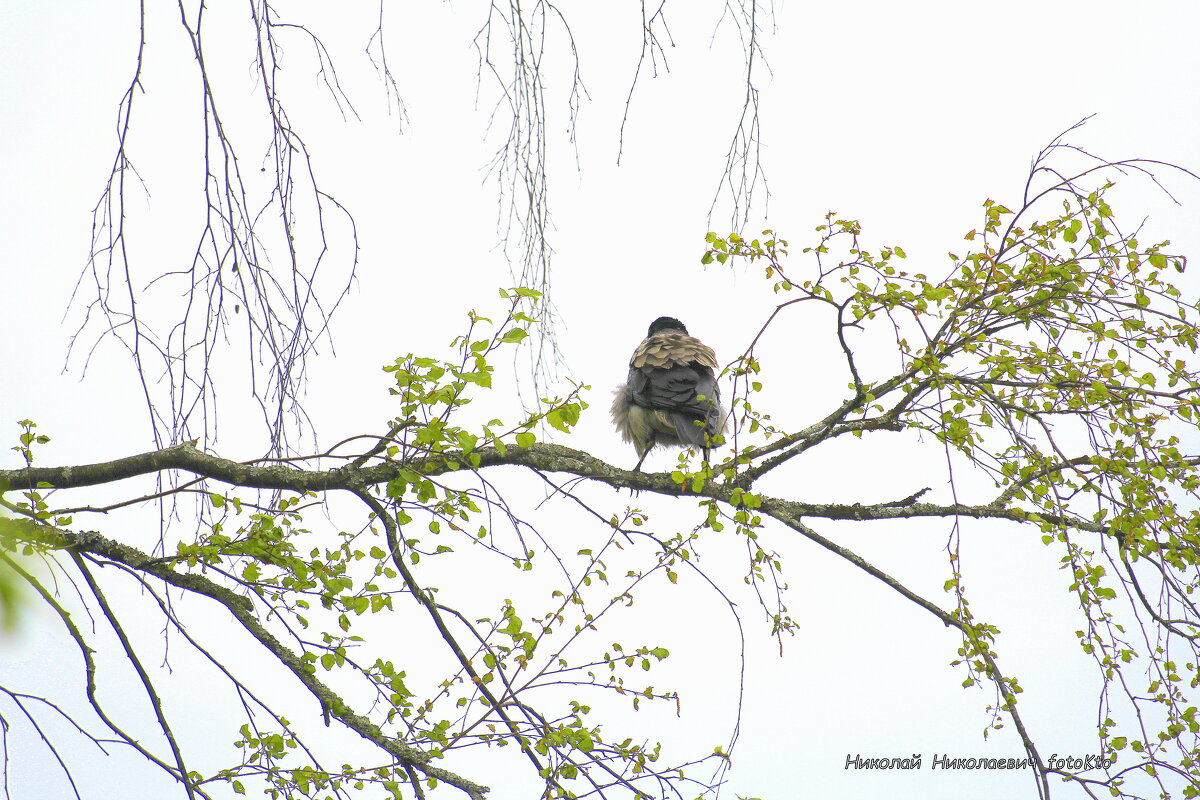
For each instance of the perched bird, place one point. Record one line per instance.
(671, 395)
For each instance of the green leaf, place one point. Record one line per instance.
(514, 336)
(564, 417)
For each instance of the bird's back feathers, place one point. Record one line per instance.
(670, 349)
(671, 394)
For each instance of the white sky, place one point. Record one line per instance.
(904, 116)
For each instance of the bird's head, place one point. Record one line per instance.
(664, 324)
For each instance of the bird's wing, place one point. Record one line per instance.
(714, 413)
(676, 388)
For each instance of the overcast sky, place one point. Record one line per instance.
(905, 116)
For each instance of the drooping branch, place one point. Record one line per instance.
(242, 609)
(156, 703)
(970, 634)
(426, 600)
(261, 261)
(41, 533)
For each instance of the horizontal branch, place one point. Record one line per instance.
(287, 477)
(540, 457)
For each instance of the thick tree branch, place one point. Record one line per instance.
(539, 457)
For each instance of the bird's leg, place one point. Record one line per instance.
(649, 446)
(633, 490)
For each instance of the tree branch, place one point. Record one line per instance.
(242, 609)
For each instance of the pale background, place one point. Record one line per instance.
(904, 116)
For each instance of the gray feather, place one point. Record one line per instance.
(671, 395)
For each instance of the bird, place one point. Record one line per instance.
(671, 396)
